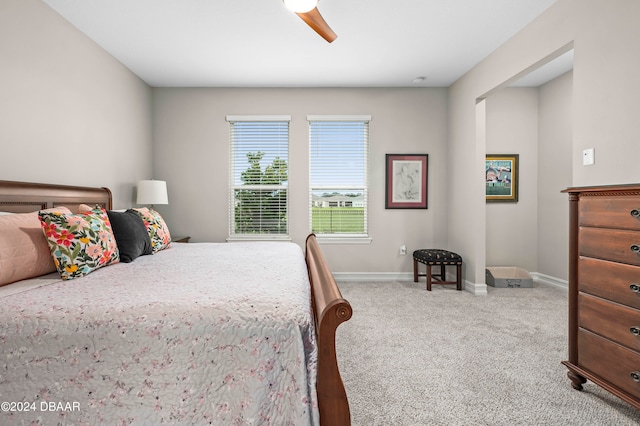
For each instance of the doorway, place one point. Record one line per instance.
(531, 116)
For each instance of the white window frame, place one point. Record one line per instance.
(233, 236)
(342, 238)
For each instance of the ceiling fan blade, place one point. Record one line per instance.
(319, 25)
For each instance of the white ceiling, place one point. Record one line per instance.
(259, 43)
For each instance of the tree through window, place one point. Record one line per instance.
(259, 176)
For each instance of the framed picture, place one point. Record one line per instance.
(501, 177)
(406, 181)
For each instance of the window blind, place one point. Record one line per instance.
(258, 189)
(338, 174)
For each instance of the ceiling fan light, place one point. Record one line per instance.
(300, 6)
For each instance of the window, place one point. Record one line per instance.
(258, 193)
(338, 162)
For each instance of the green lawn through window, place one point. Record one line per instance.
(337, 220)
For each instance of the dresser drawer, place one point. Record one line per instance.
(610, 361)
(610, 244)
(621, 212)
(611, 320)
(610, 280)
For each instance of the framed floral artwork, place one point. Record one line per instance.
(406, 181)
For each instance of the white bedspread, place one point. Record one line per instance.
(196, 334)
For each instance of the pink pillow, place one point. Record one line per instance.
(83, 208)
(24, 251)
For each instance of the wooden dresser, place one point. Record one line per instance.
(604, 289)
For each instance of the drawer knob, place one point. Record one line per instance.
(635, 331)
(635, 376)
(635, 288)
(635, 213)
(635, 248)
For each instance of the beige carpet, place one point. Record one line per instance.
(412, 357)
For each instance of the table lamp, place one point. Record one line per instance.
(152, 192)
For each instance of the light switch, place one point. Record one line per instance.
(588, 157)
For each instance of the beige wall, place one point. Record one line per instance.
(191, 153)
(535, 123)
(555, 168)
(512, 128)
(605, 38)
(69, 112)
(606, 91)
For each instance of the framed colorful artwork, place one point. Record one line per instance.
(501, 177)
(406, 181)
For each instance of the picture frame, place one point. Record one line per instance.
(502, 177)
(406, 181)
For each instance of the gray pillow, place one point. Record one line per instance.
(130, 233)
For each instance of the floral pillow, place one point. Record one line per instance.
(79, 243)
(156, 227)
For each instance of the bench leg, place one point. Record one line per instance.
(458, 277)
(415, 271)
(429, 277)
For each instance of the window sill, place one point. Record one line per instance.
(322, 239)
(237, 239)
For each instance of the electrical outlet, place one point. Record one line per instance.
(403, 250)
(588, 157)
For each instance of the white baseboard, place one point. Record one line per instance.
(478, 289)
(373, 276)
(547, 279)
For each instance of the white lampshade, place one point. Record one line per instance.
(300, 6)
(152, 192)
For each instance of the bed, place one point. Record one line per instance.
(205, 333)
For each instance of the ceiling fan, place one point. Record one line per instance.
(307, 10)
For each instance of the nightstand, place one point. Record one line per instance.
(180, 239)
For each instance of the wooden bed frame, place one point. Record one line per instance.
(329, 308)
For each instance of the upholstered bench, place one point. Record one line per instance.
(435, 257)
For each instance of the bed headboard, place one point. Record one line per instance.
(24, 197)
